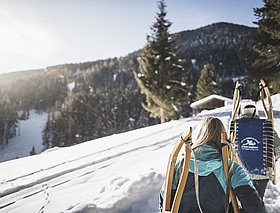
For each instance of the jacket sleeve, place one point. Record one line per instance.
(249, 199)
(245, 191)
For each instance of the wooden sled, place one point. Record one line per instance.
(243, 132)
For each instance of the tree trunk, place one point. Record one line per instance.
(162, 116)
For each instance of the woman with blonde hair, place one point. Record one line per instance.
(207, 162)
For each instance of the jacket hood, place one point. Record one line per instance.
(206, 153)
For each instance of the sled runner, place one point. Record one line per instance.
(254, 137)
(167, 205)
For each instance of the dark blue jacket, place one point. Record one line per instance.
(212, 185)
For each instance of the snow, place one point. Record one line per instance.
(234, 79)
(209, 98)
(213, 83)
(71, 86)
(115, 77)
(183, 84)
(140, 75)
(26, 138)
(119, 173)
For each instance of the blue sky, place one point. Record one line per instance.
(40, 33)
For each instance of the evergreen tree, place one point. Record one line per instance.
(96, 109)
(161, 72)
(207, 83)
(47, 132)
(33, 151)
(8, 120)
(267, 62)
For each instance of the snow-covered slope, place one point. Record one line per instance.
(29, 134)
(119, 173)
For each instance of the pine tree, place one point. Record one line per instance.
(267, 62)
(33, 151)
(47, 133)
(207, 83)
(161, 72)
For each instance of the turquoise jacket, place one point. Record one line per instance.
(212, 185)
(209, 160)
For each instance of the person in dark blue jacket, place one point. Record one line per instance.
(212, 182)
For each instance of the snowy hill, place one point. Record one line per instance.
(118, 173)
(29, 134)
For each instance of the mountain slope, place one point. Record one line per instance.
(118, 173)
(226, 46)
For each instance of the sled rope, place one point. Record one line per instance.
(196, 183)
